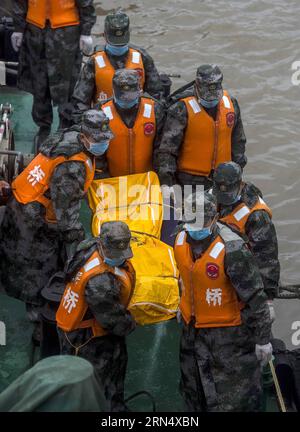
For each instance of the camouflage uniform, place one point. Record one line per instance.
(173, 137)
(219, 367)
(107, 353)
(50, 59)
(31, 247)
(84, 91)
(261, 238)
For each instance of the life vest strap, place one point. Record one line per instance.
(96, 329)
(87, 323)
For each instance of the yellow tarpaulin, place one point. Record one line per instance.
(137, 200)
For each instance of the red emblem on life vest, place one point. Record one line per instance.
(230, 118)
(149, 128)
(212, 270)
(140, 72)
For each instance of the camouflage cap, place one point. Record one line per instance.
(209, 82)
(116, 28)
(95, 125)
(115, 238)
(199, 209)
(227, 181)
(126, 84)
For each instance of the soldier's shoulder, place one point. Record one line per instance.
(229, 94)
(104, 280)
(86, 244)
(180, 94)
(157, 102)
(83, 252)
(100, 103)
(63, 143)
(234, 103)
(143, 51)
(251, 194)
(228, 235)
(47, 147)
(177, 109)
(70, 145)
(234, 243)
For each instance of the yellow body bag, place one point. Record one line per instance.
(137, 200)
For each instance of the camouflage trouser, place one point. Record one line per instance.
(50, 63)
(30, 251)
(108, 355)
(219, 370)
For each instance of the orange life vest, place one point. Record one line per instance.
(238, 218)
(130, 151)
(104, 72)
(207, 143)
(60, 13)
(207, 293)
(34, 181)
(73, 306)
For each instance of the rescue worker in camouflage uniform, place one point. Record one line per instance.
(41, 220)
(241, 206)
(101, 279)
(202, 129)
(225, 319)
(95, 82)
(51, 36)
(136, 121)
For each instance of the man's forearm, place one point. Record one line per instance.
(83, 94)
(238, 138)
(245, 277)
(87, 16)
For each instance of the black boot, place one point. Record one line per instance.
(40, 137)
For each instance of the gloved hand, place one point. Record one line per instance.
(16, 40)
(86, 44)
(179, 316)
(270, 304)
(263, 353)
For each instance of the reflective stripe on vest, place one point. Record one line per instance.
(104, 72)
(207, 293)
(207, 143)
(238, 218)
(60, 13)
(130, 151)
(34, 181)
(73, 305)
